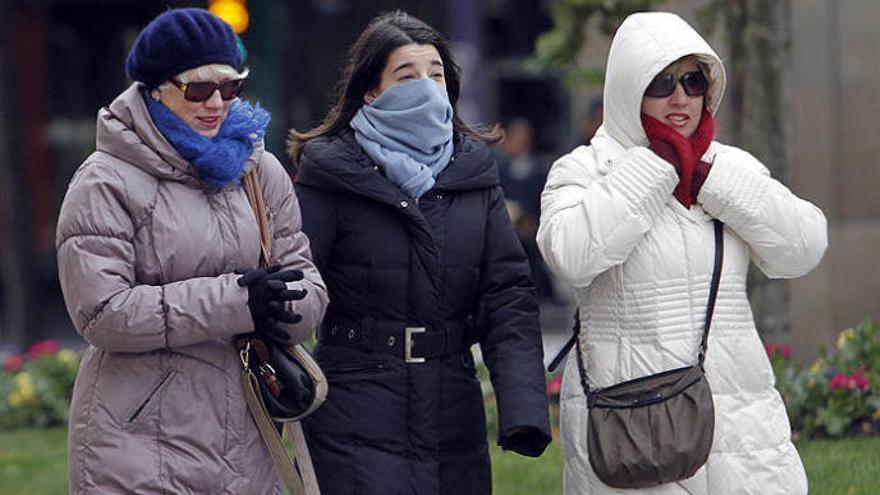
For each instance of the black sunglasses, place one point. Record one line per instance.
(694, 84)
(200, 91)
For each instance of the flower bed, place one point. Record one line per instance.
(839, 393)
(35, 388)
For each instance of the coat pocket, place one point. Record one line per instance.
(345, 364)
(140, 408)
(354, 371)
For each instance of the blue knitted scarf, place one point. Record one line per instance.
(408, 130)
(221, 159)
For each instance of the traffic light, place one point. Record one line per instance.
(232, 11)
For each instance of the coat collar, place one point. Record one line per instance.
(337, 163)
(126, 131)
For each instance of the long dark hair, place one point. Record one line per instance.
(363, 71)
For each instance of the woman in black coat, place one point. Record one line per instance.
(406, 217)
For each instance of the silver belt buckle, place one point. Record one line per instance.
(408, 344)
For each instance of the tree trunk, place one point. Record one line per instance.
(766, 131)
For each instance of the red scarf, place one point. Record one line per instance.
(689, 151)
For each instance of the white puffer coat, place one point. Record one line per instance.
(641, 264)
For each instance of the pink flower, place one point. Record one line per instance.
(773, 348)
(859, 379)
(554, 386)
(856, 381)
(44, 347)
(13, 362)
(786, 351)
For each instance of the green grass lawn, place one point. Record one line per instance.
(33, 462)
(834, 467)
(844, 467)
(514, 474)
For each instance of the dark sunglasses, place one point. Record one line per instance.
(694, 84)
(202, 90)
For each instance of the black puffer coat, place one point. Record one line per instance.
(449, 262)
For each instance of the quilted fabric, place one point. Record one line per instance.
(146, 258)
(641, 265)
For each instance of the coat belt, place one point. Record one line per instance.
(414, 344)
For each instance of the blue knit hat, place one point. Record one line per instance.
(179, 40)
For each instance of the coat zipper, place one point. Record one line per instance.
(150, 396)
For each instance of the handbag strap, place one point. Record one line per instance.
(271, 437)
(713, 288)
(710, 311)
(254, 193)
(303, 480)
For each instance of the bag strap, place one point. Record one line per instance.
(713, 288)
(566, 348)
(254, 193)
(710, 311)
(271, 437)
(303, 480)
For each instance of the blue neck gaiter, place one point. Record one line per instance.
(408, 130)
(221, 159)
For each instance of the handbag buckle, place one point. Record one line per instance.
(272, 382)
(408, 345)
(244, 355)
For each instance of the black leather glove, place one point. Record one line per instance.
(270, 330)
(267, 298)
(526, 440)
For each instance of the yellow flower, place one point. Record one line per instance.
(844, 337)
(23, 391)
(817, 367)
(877, 414)
(67, 356)
(15, 399)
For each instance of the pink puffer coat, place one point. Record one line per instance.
(146, 255)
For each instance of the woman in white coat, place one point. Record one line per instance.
(627, 221)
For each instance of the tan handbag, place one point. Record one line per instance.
(264, 370)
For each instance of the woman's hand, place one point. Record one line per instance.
(668, 144)
(525, 440)
(268, 296)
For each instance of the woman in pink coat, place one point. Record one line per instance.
(153, 227)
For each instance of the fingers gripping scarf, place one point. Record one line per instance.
(689, 150)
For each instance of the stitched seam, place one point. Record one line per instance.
(159, 421)
(88, 424)
(152, 239)
(233, 221)
(101, 236)
(164, 317)
(227, 431)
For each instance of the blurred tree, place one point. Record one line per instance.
(558, 48)
(758, 38)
